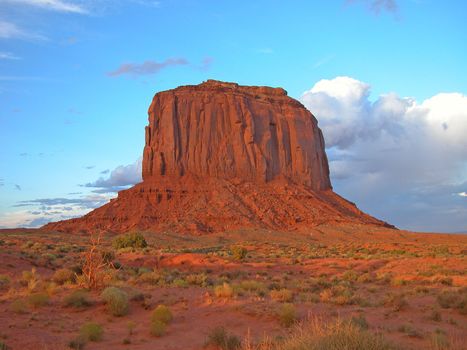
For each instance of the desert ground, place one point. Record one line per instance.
(244, 289)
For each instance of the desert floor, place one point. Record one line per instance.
(259, 285)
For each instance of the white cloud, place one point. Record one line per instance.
(397, 158)
(38, 212)
(54, 5)
(119, 178)
(10, 30)
(8, 56)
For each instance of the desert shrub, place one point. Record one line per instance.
(160, 318)
(162, 313)
(398, 282)
(239, 253)
(37, 300)
(365, 278)
(435, 315)
(448, 299)
(282, 295)
(410, 331)
(91, 331)
(287, 315)
(220, 338)
(350, 275)
(3, 346)
(19, 306)
(326, 295)
(318, 334)
(157, 328)
(360, 321)
(151, 277)
(131, 325)
(198, 279)
(77, 299)
(116, 300)
(4, 282)
(440, 341)
(253, 286)
(130, 240)
(444, 280)
(223, 291)
(77, 343)
(396, 301)
(63, 276)
(180, 282)
(31, 279)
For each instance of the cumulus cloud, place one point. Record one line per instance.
(401, 160)
(120, 178)
(147, 67)
(54, 5)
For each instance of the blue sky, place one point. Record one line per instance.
(385, 79)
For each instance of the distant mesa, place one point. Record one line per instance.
(221, 156)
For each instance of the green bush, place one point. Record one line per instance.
(220, 338)
(77, 299)
(130, 240)
(239, 253)
(287, 315)
(19, 306)
(63, 276)
(162, 313)
(91, 331)
(160, 318)
(38, 299)
(116, 300)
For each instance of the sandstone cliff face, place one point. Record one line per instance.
(220, 156)
(229, 131)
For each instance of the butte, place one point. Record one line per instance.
(220, 156)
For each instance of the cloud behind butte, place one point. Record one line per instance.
(401, 160)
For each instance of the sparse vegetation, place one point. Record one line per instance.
(219, 337)
(287, 315)
(223, 291)
(116, 300)
(318, 334)
(130, 240)
(282, 295)
(63, 276)
(160, 318)
(91, 331)
(37, 300)
(77, 299)
(238, 252)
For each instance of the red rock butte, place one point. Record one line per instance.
(220, 156)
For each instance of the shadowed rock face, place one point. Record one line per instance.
(220, 156)
(229, 131)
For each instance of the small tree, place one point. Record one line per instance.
(94, 263)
